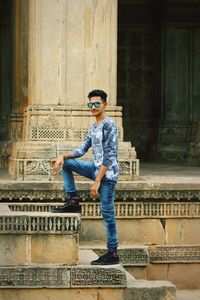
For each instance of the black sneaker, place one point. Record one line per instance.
(106, 259)
(67, 208)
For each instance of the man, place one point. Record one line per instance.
(103, 170)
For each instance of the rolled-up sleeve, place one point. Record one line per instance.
(110, 144)
(84, 146)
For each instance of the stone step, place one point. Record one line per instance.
(151, 290)
(38, 238)
(136, 289)
(130, 255)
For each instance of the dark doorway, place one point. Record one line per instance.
(158, 75)
(5, 65)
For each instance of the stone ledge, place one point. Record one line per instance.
(63, 277)
(123, 210)
(174, 254)
(49, 191)
(135, 189)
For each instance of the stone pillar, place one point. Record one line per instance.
(20, 68)
(72, 49)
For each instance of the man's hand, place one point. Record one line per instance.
(94, 189)
(58, 163)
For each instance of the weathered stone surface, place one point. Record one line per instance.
(137, 272)
(13, 250)
(109, 294)
(34, 277)
(49, 294)
(184, 276)
(54, 249)
(96, 276)
(150, 231)
(183, 231)
(151, 290)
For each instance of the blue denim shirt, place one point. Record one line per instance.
(103, 138)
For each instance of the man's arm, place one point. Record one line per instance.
(74, 153)
(58, 163)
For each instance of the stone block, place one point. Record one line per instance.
(54, 249)
(92, 230)
(151, 290)
(13, 250)
(96, 276)
(184, 276)
(182, 231)
(140, 231)
(109, 294)
(137, 272)
(48, 294)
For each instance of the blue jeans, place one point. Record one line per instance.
(106, 192)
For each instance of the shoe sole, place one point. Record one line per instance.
(106, 264)
(66, 212)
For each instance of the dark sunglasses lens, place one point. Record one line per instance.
(90, 105)
(96, 104)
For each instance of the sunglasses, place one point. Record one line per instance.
(95, 104)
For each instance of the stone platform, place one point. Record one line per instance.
(160, 212)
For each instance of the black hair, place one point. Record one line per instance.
(98, 93)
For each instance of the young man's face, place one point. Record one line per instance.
(98, 106)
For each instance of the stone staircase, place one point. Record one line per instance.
(40, 259)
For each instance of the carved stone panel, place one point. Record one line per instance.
(83, 276)
(34, 277)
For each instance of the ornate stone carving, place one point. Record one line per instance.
(84, 195)
(97, 276)
(173, 141)
(5, 152)
(55, 128)
(34, 277)
(124, 167)
(126, 210)
(16, 133)
(38, 223)
(37, 167)
(174, 254)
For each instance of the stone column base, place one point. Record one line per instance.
(51, 130)
(31, 160)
